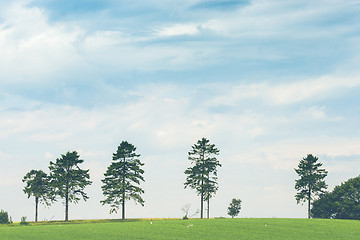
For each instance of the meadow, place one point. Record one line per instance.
(240, 228)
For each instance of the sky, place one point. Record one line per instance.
(267, 82)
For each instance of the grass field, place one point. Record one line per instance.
(187, 229)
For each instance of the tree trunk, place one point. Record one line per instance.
(208, 208)
(208, 196)
(202, 185)
(202, 205)
(67, 207)
(123, 189)
(36, 208)
(123, 207)
(309, 204)
(123, 197)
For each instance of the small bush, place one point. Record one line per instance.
(23, 221)
(4, 217)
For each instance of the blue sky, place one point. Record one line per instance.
(266, 81)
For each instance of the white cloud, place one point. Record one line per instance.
(286, 154)
(280, 19)
(35, 50)
(48, 155)
(178, 30)
(278, 159)
(236, 93)
(32, 49)
(295, 92)
(317, 113)
(101, 40)
(318, 88)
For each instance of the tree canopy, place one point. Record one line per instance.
(342, 203)
(311, 180)
(235, 207)
(122, 178)
(4, 217)
(68, 180)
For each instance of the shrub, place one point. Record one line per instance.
(23, 221)
(4, 217)
(341, 203)
(234, 208)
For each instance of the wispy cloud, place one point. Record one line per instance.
(312, 89)
(178, 30)
(300, 91)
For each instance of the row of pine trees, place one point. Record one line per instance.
(122, 179)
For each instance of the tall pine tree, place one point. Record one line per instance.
(311, 180)
(202, 176)
(122, 178)
(68, 180)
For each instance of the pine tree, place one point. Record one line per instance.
(202, 176)
(37, 185)
(311, 180)
(122, 178)
(68, 180)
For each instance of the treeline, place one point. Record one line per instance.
(122, 179)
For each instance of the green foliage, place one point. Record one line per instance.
(322, 207)
(311, 180)
(240, 228)
(68, 180)
(38, 186)
(202, 176)
(23, 221)
(122, 178)
(4, 217)
(342, 203)
(235, 207)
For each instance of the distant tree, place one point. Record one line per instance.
(4, 217)
(311, 180)
(38, 186)
(122, 178)
(342, 203)
(202, 176)
(23, 221)
(235, 207)
(68, 180)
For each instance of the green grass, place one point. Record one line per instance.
(177, 229)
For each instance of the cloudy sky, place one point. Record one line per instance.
(266, 81)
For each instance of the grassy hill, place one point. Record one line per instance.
(187, 229)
